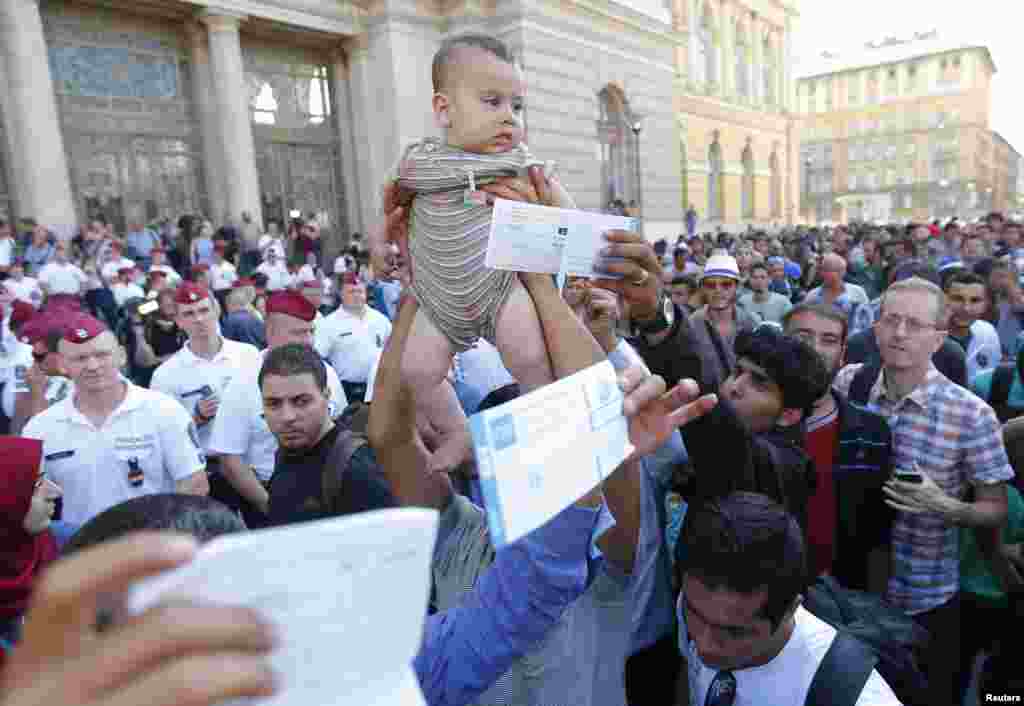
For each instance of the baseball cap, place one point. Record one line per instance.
(721, 266)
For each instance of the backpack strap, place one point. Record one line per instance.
(843, 672)
(999, 395)
(863, 381)
(333, 472)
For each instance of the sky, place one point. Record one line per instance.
(997, 24)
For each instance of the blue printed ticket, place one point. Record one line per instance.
(541, 452)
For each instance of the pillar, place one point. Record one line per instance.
(209, 127)
(231, 101)
(787, 66)
(39, 163)
(781, 75)
(727, 61)
(756, 60)
(344, 118)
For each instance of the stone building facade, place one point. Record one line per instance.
(152, 108)
(739, 153)
(900, 130)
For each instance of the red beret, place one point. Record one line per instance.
(82, 329)
(350, 278)
(311, 284)
(291, 304)
(244, 282)
(190, 293)
(21, 454)
(21, 312)
(220, 246)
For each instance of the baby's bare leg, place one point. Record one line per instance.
(425, 364)
(520, 340)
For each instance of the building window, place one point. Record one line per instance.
(715, 196)
(264, 107)
(707, 48)
(618, 147)
(747, 192)
(768, 64)
(292, 100)
(742, 59)
(776, 186)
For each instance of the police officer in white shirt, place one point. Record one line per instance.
(158, 260)
(124, 287)
(222, 273)
(60, 278)
(112, 440)
(312, 289)
(743, 629)
(15, 362)
(240, 435)
(22, 287)
(278, 276)
(356, 333)
(198, 374)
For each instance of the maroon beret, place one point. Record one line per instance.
(292, 304)
(190, 293)
(311, 284)
(21, 312)
(83, 328)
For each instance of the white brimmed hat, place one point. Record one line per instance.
(721, 266)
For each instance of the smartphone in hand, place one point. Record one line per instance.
(912, 475)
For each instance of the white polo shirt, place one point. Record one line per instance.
(15, 360)
(6, 252)
(26, 289)
(278, 276)
(148, 431)
(222, 276)
(239, 428)
(62, 279)
(110, 269)
(354, 343)
(123, 292)
(188, 378)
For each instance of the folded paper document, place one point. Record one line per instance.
(348, 596)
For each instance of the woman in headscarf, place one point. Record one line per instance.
(27, 501)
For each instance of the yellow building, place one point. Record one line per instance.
(898, 130)
(739, 154)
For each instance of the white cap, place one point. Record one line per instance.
(721, 266)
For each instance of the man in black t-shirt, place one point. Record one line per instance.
(293, 384)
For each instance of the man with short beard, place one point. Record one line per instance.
(851, 449)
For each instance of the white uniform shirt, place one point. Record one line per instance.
(239, 428)
(110, 269)
(15, 360)
(355, 342)
(188, 378)
(172, 275)
(222, 276)
(58, 388)
(148, 430)
(786, 679)
(984, 352)
(278, 276)
(123, 292)
(6, 252)
(62, 279)
(321, 340)
(27, 290)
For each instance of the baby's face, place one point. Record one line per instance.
(485, 103)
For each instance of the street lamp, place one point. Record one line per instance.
(636, 126)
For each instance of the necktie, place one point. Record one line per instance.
(722, 691)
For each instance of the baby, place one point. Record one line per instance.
(478, 103)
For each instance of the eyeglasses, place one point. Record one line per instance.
(722, 691)
(914, 327)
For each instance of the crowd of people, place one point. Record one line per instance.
(822, 506)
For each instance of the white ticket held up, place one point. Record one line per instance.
(348, 597)
(526, 237)
(541, 452)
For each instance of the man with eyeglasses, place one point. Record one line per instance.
(946, 443)
(851, 449)
(743, 630)
(716, 324)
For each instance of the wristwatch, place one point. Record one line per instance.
(663, 320)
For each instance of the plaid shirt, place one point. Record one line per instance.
(956, 439)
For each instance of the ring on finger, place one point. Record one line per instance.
(642, 280)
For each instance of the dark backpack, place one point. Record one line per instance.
(871, 635)
(352, 437)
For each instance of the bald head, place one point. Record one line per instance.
(833, 269)
(459, 49)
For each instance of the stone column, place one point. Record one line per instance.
(40, 166)
(343, 118)
(781, 76)
(209, 127)
(756, 61)
(231, 99)
(787, 65)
